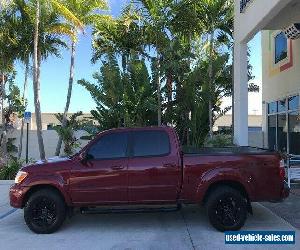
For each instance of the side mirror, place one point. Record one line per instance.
(86, 158)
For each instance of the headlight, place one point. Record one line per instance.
(21, 175)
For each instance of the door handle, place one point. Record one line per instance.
(117, 167)
(170, 165)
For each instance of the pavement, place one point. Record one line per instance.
(185, 229)
(289, 209)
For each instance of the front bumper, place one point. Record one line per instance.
(16, 195)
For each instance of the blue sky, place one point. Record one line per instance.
(55, 72)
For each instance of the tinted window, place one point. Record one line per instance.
(150, 143)
(280, 47)
(110, 146)
(272, 131)
(294, 120)
(282, 133)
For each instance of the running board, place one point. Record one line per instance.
(99, 210)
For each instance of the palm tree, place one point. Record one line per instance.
(57, 9)
(20, 148)
(8, 45)
(214, 14)
(87, 11)
(153, 15)
(72, 125)
(36, 80)
(24, 54)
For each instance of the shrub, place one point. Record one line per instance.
(9, 171)
(219, 140)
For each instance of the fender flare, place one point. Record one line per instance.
(55, 182)
(220, 176)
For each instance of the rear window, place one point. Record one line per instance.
(150, 143)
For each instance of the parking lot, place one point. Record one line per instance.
(185, 229)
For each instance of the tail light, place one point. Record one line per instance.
(282, 170)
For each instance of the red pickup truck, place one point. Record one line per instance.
(146, 167)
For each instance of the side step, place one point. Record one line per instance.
(129, 210)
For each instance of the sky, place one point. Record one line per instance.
(55, 75)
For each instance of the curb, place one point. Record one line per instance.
(6, 182)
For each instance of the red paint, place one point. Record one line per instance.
(153, 180)
(291, 62)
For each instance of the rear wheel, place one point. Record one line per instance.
(45, 211)
(226, 209)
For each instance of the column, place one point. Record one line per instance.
(240, 94)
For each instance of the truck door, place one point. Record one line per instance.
(154, 171)
(103, 178)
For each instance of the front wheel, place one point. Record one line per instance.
(44, 212)
(226, 209)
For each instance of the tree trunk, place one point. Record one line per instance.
(170, 88)
(36, 83)
(158, 94)
(210, 74)
(71, 81)
(4, 134)
(24, 95)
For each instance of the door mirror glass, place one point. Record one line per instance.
(87, 158)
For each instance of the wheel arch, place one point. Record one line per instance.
(38, 187)
(229, 183)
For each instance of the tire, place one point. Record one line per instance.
(45, 211)
(226, 209)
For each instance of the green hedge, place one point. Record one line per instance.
(9, 171)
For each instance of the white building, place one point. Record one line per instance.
(277, 20)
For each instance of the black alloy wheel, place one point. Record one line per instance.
(226, 209)
(44, 212)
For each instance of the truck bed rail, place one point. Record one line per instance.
(226, 151)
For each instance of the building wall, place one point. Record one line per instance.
(226, 121)
(49, 118)
(257, 15)
(278, 83)
(50, 141)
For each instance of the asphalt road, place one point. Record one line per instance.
(185, 229)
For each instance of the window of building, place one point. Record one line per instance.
(51, 126)
(110, 146)
(254, 129)
(294, 103)
(150, 143)
(284, 125)
(272, 124)
(294, 133)
(280, 47)
(282, 106)
(282, 133)
(272, 108)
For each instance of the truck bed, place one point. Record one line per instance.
(190, 151)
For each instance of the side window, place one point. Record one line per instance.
(280, 47)
(150, 143)
(109, 146)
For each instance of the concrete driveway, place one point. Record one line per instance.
(186, 229)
